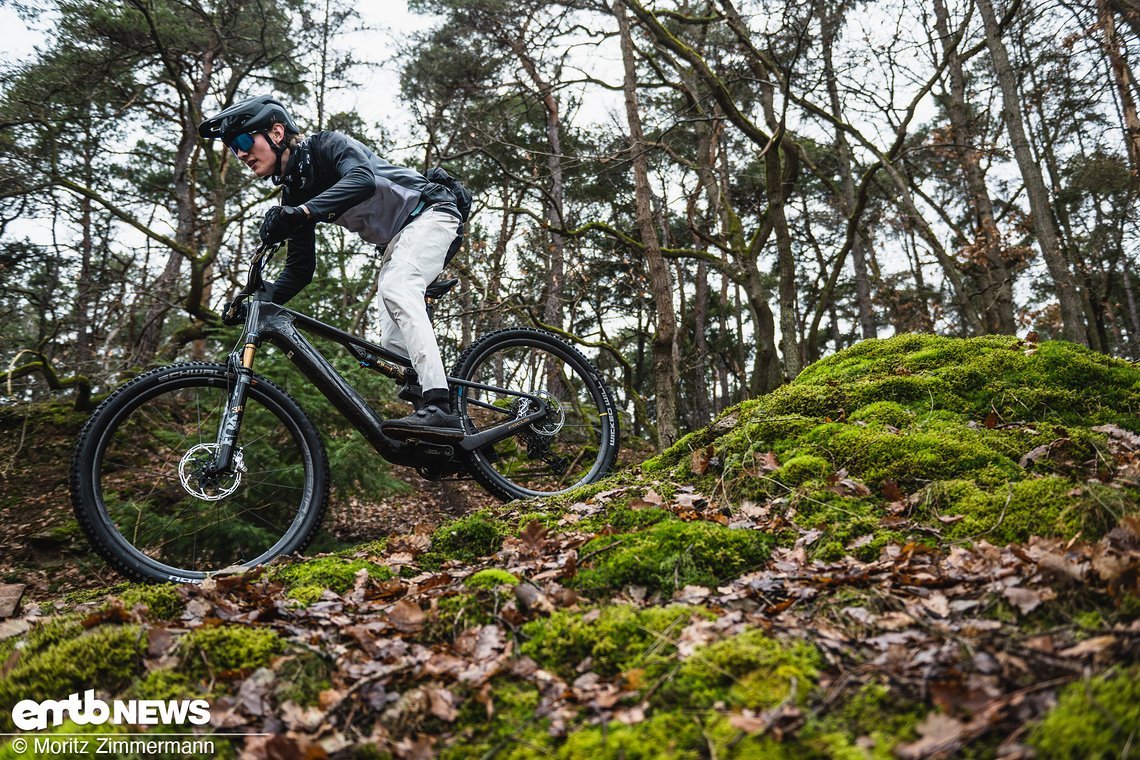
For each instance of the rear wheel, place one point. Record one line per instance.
(142, 496)
(576, 443)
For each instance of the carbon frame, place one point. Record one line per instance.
(281, 327)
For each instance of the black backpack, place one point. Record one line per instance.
(463, 198)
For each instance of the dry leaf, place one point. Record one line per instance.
(702, 459)
(406, 616)
(1095, 645)
(940, 734)
(534, 536)
(1024, 599)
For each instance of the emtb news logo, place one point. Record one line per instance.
(29, 715)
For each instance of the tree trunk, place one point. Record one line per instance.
(1048, 237)
(779, 177)
(554, 201)
(1122, 76)
(664, 342)
(830, 18)
(997, 286)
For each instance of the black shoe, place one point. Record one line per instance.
(430, 424)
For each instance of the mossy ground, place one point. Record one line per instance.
(228, 651)
(62, 660)
(907, 441)
(987, 437)
(1094, 718)
(305, 581)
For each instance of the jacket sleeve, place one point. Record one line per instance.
(357, 181)
(300, 265)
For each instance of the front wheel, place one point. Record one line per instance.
(142, 493)
(576, 443)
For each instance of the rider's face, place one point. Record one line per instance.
(260, 158)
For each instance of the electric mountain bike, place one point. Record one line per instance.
(197, 467)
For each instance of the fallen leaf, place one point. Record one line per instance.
(1033, 455)
(702, 459)
(1095, 645)
(534, 536)
(1024, 599)
(442, 703)
(891, 490)
(406, 616)
(938, 604)
(940, 734)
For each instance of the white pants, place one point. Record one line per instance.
(412, 260)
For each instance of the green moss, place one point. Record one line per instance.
(802, 469)
(873, 712)
(750, 670)
(670, 555)
(490, 578)
(1051, 505)
(616, 637)
(162, 601)
(454, 614)
(479, 534)
(669, 736)
(912, 457)
(515, 730)
(622, 518)
(306, 581)
(302, 676)
(884, 413)
(108, 656)
(226, 650)
(162, 684)
(1094, 718)
(47, 633)
(548, 520)
(676, 735)
(1058, 381)
(845, 521)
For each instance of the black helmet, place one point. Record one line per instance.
(253, 115)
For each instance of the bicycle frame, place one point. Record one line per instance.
(270, 322)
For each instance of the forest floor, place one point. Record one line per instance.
(45, 551)
(922, 547)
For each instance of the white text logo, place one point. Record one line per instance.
(29, 715)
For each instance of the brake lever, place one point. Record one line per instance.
(261, 257)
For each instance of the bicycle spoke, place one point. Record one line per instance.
(143, 466)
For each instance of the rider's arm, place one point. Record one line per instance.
(300, 265)
(357, 180)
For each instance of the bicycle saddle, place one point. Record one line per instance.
(439, 288)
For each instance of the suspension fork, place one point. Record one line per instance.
(241, 367)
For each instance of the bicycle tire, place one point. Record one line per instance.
(132, 484)
(578, 444)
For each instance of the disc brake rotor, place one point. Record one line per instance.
(192, 473)
(555, 414)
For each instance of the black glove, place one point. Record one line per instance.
(281, 222)
(234, 312)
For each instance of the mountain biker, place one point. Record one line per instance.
(330, 177)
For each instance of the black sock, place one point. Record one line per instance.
(439, 397)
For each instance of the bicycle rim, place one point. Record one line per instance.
(164, 516)
(572, 446)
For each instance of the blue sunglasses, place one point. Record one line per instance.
(242, 143)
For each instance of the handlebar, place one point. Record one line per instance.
(253, 280)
